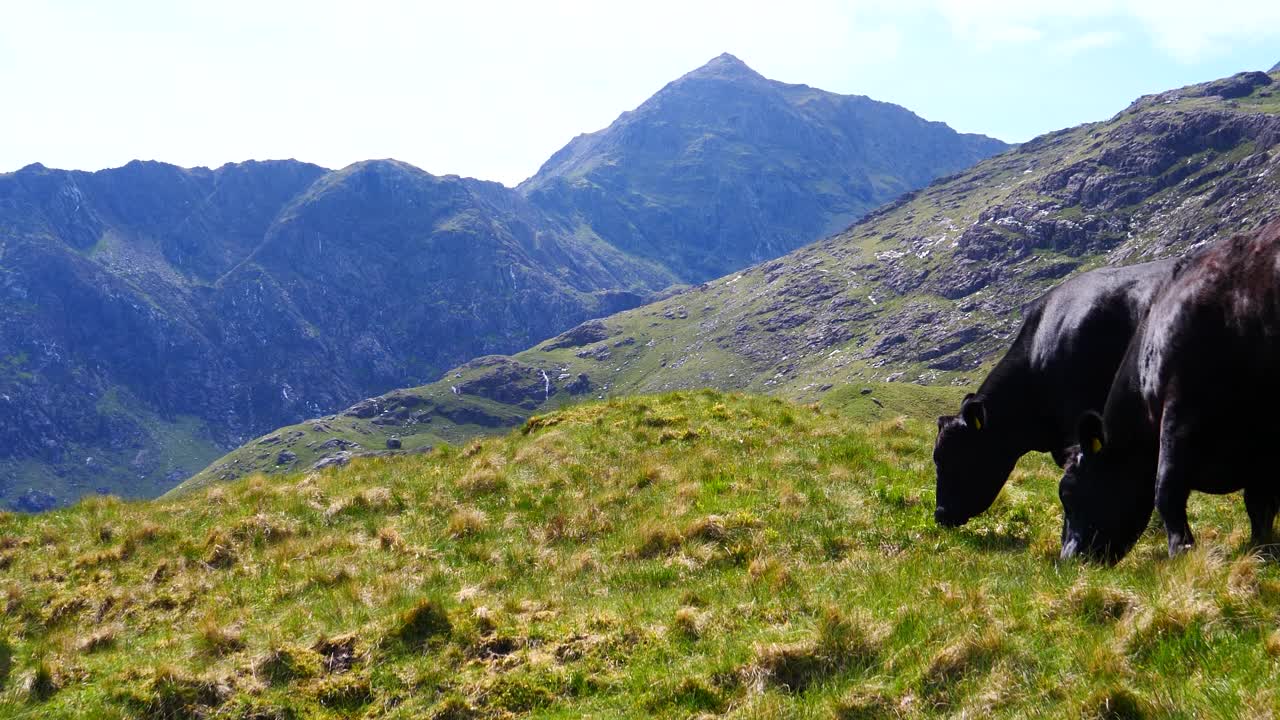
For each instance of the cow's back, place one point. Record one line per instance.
(1084, 328)
(1213, 337)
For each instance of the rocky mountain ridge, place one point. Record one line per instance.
(927, 289)
(723, 168)
(155, 316)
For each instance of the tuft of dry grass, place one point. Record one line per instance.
(42, 682)
(1114, 703)
(690, 621)
(284, 664)
(1178, 610)
(770, 572)
(466, 522)
(973, 653)
(220, 551)
(708, 529)
(1272, 644)
(389, 538)
(263, 529)
(866, 703)
(422, 624)
(657, 539)
(840, 642)
(103, 637)
(217, 638)
(1098, 604)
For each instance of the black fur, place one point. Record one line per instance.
(1191, 407)
(1060, 365)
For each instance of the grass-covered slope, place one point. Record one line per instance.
(663, 556)
(489, 396)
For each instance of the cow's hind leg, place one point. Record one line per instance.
(1262, 503)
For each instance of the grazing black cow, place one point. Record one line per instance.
(1192, 407)
(1060, 365)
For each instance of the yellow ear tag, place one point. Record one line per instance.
(977, 423)
(1095, 445)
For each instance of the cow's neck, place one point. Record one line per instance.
(1015, 411)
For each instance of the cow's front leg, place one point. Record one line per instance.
(1173, 486)
(1261, 502)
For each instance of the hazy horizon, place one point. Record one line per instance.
(491, 90)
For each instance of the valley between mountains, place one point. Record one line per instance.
(925, 290)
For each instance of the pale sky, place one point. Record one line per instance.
(491, 89)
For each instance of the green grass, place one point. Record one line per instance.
(687, 554)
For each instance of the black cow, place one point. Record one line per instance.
(1192, 407)
(1060, 365)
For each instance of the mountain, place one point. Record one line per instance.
(1275, 68)
(723, 168)
(155, 314)
(691, 554)
(925, 290)
(154, 317)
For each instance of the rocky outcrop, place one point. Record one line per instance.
(1237, 86)
(588, 332)
(507, 381)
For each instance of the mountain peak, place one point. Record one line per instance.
(725, 65)
(1275, 68)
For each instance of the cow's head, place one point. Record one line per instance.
(972, 464)
(1105, 508)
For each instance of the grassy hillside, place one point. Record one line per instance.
(688, 554)
(450, 411)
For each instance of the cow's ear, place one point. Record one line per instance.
(942, 422)
(1091, 433)
(974, 413)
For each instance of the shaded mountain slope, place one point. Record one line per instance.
(153, 314)
(722, 168)
(928, 289)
